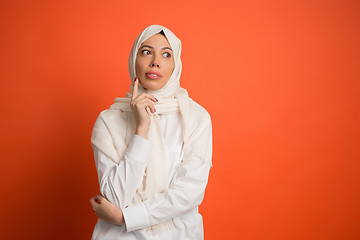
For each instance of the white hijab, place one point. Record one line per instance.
(156, 173)
(156, 176)
(167, 94)
(197, 131)
(173, 85)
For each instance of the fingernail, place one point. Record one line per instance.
(156, 99)
(135, 79)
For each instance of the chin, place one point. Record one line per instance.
(152, 86)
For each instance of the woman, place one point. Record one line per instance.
(152, 150)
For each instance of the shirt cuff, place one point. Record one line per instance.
(138, 149)
(136, 217)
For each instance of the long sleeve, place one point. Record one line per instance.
(119, 181)
(184, 193)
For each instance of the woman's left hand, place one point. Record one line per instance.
(107, 210)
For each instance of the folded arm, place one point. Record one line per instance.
(119, 181)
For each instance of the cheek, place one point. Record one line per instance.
(169, 68)
(138, 67)
(140, 62)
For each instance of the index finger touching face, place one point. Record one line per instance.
(135, 88)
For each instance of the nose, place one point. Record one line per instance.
(155, 61)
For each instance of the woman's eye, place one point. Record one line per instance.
(146, 52)
(168, 55)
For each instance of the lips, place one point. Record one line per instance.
(153, 75)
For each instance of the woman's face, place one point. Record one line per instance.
(154, 62)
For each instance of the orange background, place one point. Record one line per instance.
(280, 79)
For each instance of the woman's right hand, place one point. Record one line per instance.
(138, 105)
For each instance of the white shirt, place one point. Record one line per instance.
(179, 202)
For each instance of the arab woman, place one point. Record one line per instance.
(152, 149)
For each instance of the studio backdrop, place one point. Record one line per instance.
(280, 79)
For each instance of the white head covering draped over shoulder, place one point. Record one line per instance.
(197, 130)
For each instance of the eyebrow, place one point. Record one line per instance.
(153, 47)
